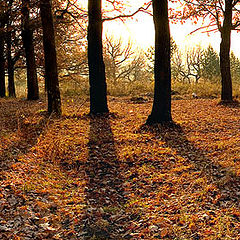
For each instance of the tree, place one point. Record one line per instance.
(97, 78)
(51, 73)
(27, 36)
(151, 50)
(71, 41)
(12, 37)
(10, 60)
(235, 67)
(225, 68)
(222, 16)
(2, 65)
(2, 58)
(179, 70)
(161, 110)
(211, 64)
(116, 54)
(138, 69)
(194, 61)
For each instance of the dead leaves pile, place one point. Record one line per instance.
(111, 177)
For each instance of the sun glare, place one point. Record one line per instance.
(140, 31)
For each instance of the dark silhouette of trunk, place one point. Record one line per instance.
(51, 73)
(161, 110)
(97, 78)
(27, 36)
(225, 53)
(10, 62)
(2, 64)
(10, 66)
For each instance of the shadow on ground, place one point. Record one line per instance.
(105, 216)
(20, 127)
(226, 180)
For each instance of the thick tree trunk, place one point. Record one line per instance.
(161, 111)
(2, 66)
(27, 36)
(97, 78)
(225, 53)
(51, 73)
(10, 64)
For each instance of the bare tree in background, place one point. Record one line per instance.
(116, 56)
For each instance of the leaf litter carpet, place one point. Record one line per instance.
(112, 177)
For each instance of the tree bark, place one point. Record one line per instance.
(51, 73)
(2, 65)
(226, 94)
(10, 64)
(97, 78)
(161, 110)
(27, 36)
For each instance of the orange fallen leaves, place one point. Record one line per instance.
(112, 177)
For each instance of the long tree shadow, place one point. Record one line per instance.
(105, 216)
(20, 128)
(225, 179)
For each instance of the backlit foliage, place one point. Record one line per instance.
(209, 13)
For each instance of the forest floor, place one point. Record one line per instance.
(112, 177)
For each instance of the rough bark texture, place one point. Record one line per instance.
(27, 36)
(51, 73)
(225, 53)
(10, 64)
(161, 111)
(97, 78)
(2, 65)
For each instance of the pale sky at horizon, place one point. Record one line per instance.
(141, 32)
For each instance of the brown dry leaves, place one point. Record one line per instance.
(83, 177)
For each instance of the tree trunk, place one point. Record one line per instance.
(2, 65)
(161, 110)
(97, 78)
(27, 36)
(51, 73)
(225, 53)
(10, 64)
(11, 84)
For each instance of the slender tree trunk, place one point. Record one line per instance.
(225, 53)
(11, 84)
(114, 73)
(97, 78)
(10, 64)
(27, 36)
(2, 59)
(161, 111)
(2, 65)
(51, 73)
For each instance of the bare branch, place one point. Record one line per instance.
(141, 9)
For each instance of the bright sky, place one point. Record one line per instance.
(141, 32)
